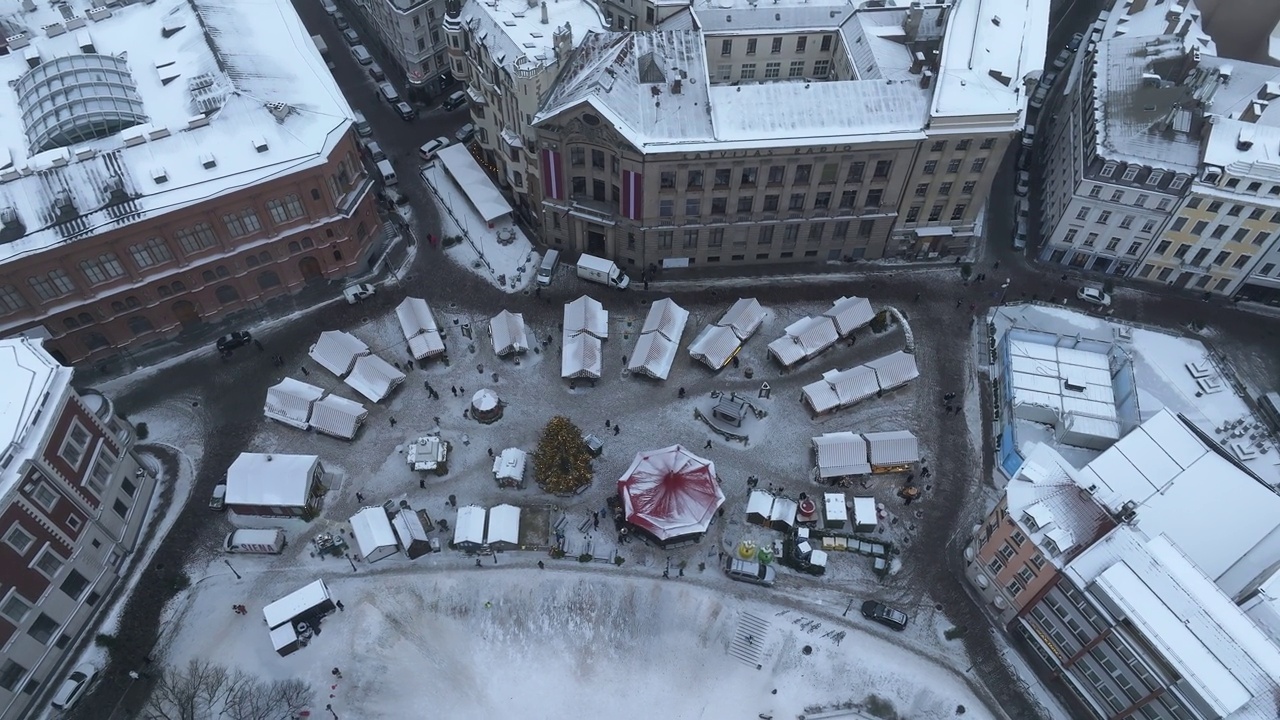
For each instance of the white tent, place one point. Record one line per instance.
(782, 516)
(474, 183)
(290, 402)
(413, 534)
(850, 313)
(841, 453)
(504, 527)
(337, 416)
(865, 518)
(743, 317)
(373, 377)
(582, 357)
(840, 389)
(715, 346)
(659, 339)
(420, 329)
(468, 528)
(509, 333)
(835, 513)
(508, 467)
(336, 351)
(374, 535)
(895, 369)
(892, 449)
(804, 339)
(586, 315)
(271, 483)
(759, 507)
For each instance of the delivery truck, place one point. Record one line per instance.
(605, 272)
(255, 540)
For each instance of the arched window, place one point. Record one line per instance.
(70, 323)
(268, 279)
(139, 324)
(294, 247)
(223, 272)
(132, 301)
(208, 276)
(251, 261)
(85, 318)
(93, 341)
(117, 306)
(264, 257)
(315, 194)
(307, 244)
(226, 294)
(178, 287)
(337, 254)
(164, 291)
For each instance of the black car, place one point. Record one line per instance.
(237, 339)
(884, 615)
(1074, 44)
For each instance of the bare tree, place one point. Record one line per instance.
(204, 691)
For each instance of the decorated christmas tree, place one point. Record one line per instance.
(561, 464)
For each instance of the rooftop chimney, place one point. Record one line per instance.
(545, 19)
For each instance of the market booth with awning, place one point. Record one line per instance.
(670, 495)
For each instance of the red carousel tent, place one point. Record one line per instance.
(670, 494)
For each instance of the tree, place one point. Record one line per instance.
(561, 464)
(204, 691)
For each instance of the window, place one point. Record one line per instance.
(1082, 214)
(1215, 206)
(770, 203)
(856, 171)
(100, 475)
(43, 629)
(577, 157)
(744, 203)
(1112, 244)
(848, 198)
(751, 46)
(664, 239)
(1014, 587)
(803, 172)
(765, 238)
(722, 177)
(963, 145)
(840, 230)
(1026, 575)
(692, 207)
(74, 585)
(1182, 250)
(666, 180)
(1240, 234)
(1219, 231)
(149, 253)
(120, 508)
(922, 189)
(944, 189)
(1268, 268)
(815, 232)
(74, 444)
(776, 46)
(1104, 217)
(1199, 228)
(797, 69)
(1117, 196)
(821, 68)
(282, 210)
(1126, 222)
(968, 187)
(1178, 224)
(873, 198)
(772, 70)
(666, 208)
(19, 539)
(882, 169)
(715, 237)
(597, 159)
(930, 167)
(1018, 538)
(195, 238)
(1108, 170)
(1090, 239)
(913, 213)
(796, 202)
(44, 496)
(1261, 237)
(718, 205)
(789, 234)
(1095, 191)
(957, 212)
(801, 42)
(268, 279)
(1070, 236)
(1163, 204)
(54, 285)
(1193, 203)
(977, 165)
(935, 213)
(1155, 177)
(995, 566)
(953, 167)
(987, 143)
(749, 177)
(822, 201)
(10, 673)
(10, 299)
(695, 180)
(726, 47)
(1164, 274)
(49, 563)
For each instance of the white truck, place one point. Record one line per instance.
(605, 272)
(269, 541)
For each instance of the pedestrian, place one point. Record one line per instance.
(462, 391)
(707, 446)
(304, 370)
(667, 573)
(393, 421)
(495, 558)
(595, 522)
(453, 501)
(541, 566)
(917, 298)
(337, 673)
(396, 363)
(624, 359)
(681, 393)
(477, 562)
(646, 284)
(258, 344)
(911, 478)
(454, 389)
(958, 302)
(490, 452)
(422, 483)
(996, 266)
(359, 497)
(341, 607)
(617, 429)
(608, 424)
(426, 386)
(466, 413)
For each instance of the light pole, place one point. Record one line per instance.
(233, 570)
(1003, 289)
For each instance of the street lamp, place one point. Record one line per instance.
(233, 570)
(1003, 289)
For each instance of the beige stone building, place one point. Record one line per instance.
(861, 136)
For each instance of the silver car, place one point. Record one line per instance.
(750, 571)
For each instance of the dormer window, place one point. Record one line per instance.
(1108, 170)
(1155, 177)
(1130, 173)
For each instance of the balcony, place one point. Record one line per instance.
(100, 405)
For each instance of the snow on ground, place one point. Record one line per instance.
(555, 644)
(509, 267)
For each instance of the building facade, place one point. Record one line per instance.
(73, 499)
(167, 221)
(411, 33)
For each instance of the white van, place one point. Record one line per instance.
(387, 172)
(547, 268)
(455, 101)
(361, 55)
(363, 128)
(269, 541)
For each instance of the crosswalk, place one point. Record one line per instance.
(748, 640)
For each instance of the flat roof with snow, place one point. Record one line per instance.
(31, 379)
(188, 114)
(295, 603)
(468, 528)
(373, 532)
(1070, 384)
(270, 479)
(475, 184)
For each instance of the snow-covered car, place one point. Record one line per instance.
(234, 340)
(750, 571)
(465, 133)
(356, 293)
(375, 72)
(406, 111)
(431, 147)
(1020, 234)
(885, 615)
(1038, 97)
(218, 500)
(395, 197)
(351, 36)
(1061, 61)
(1094, 296)
(73, 688)
(1029, 136)
(1023, 185)
(341, 21)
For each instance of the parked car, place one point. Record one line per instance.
(351, 36)
(356, 293)
(375, 72)
(1023, 185)
(234, 340)
(406, 111)
(750, 571)
(1038, 97)
(361, 55)
(454, 101)
(885, 615)
(431, 147)
(1049, 78)
(329, 7)
(375, 151)
(1074, 44)
(1020, 234)
(218, 500)
(341, 21)
(389, 92)
(465, 133)
(1029, 136)
(1064, 56)
(74, 687)
(1094, 296)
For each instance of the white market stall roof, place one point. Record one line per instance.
(715, 346)
(759, 503)
(372, 530)
(670, 492)
(466, 173)
(509, 333)
(270, 479)
(864, 511)
(373, 377)
(835, 509)
(409, 528)
(582, 356)
(509, 465)
(586, 315)
(840, 454)
(485, 400)
(804, 339)
(336, 351)
(418, 324)
(337, 416)
(784, 511)
(469, 526)
(667, 318)
(743, 317)
(427, 453)
(659, 339)
(295, 603)
(850, 313)
(290, 402)
(895, 369)
(895, 447)
(504, 525)
(841, 388)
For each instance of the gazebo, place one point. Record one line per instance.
(485, 406)
(670, 495)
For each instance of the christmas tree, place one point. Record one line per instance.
(561, 464)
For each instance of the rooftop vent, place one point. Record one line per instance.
(995, 20)
(134, 135)
(54, 29)
(11, 227)
(158, 133)
(260, 144)
(32, 56)
(17, 42)
(98, 14)
(197, 121)
(1244, 140)
(280, 111)
(208, 161)
(64, 208)
(85, 42)
(160, 175)
(84, 153)
(675, 86)
(113, 188)
(172, 25)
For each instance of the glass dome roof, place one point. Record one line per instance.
(75, 98)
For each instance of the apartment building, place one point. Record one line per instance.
(182, 196)
(1150, 167)
(411, 33)
(72, 503)
(508, 53)
(859, 134)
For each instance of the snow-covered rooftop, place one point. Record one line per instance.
(987, 48)
(32, 379)
(718, 342)
(1065, 381)
(841, 388)
(659, 339)
(841, 453)
(516, 35)
(373, 377)
(508, 332)
(189, 110)
(290, 401)
(468, 527)
(337, 350)
(1048, 490)
(504, 525)
(586, 316)
(270, 479)
(337, 416)
(582, 356)
(420, 329)
(804, 339)
(893, 447)
(1207, 640)
(373, 533)
(895, 369)
(850, 313)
